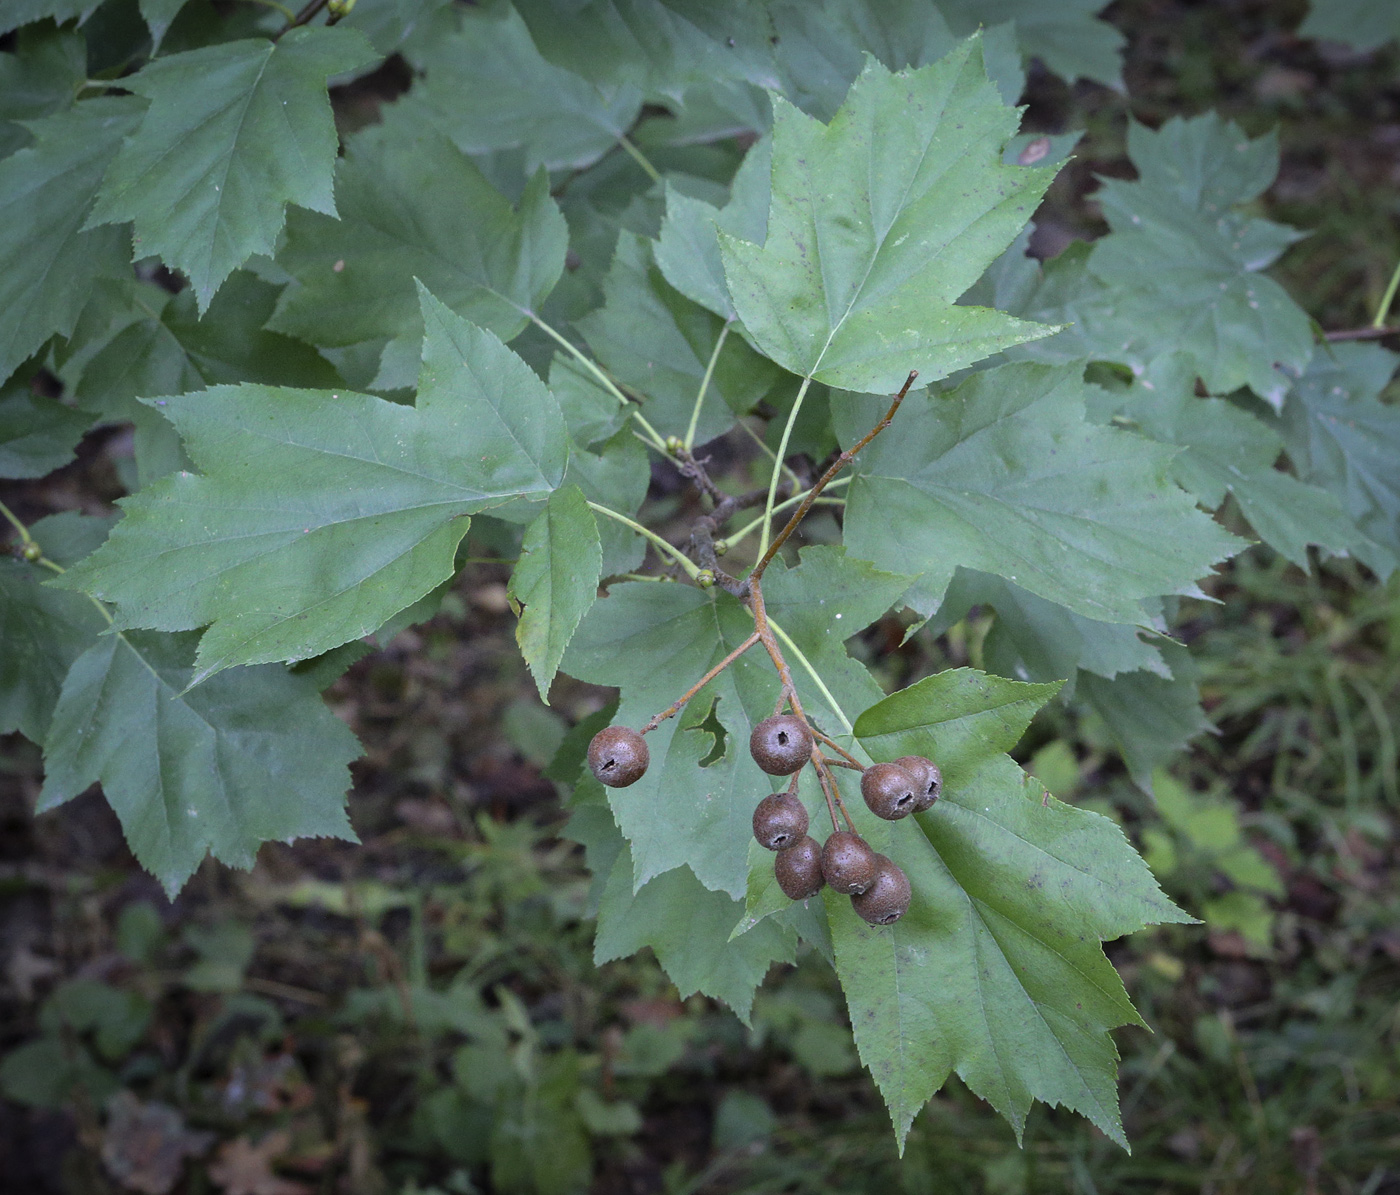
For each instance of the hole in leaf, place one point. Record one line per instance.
(712, 726)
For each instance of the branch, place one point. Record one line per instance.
(675, 707)
(840, 463)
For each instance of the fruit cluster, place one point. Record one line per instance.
(781, 745)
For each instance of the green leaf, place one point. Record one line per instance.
(165, 348)
(879, 222)
(488, 88)
(234, 133)
(412, 206)
(1228, 450)
(1180, 270)
(687, 925)
(1064, 35)
(1037, 640)
(1364, 25)
(591, 411)
(652, 641)
(617, 476)
(22, 12)
(1003, 475)
(390, 23)
(47, 265)
(1149, 717)
(687, 251)
(158, 15)
(320, 515)
(821, 46)
(658, 342)
(663, 47)
(250, 756)
(43, 631)
(37, 434)
(1342, 437)
(556, 580)
(1011, 897)
(42, 76)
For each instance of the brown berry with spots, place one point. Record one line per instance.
(848, 863)
(928, 780)
(799, 869)
(889, 791)
(887, 898)
(780, 821)
(780, 745)
(618, 756)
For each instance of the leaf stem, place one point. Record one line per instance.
(768, 452)
(640, 158)
(655, 439)
(705, 385)
(765, 556)
(780, 457)
(691, 568)
(814, 674)
(675, 707)
(1388, 298)
(749, 528)
(282, 8)
(24, 535)
(307, 13)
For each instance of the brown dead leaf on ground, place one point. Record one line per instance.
(243, 1168)
(145, 1145)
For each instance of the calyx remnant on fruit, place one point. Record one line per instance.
(848, 863)
(928, 780)
(618, 756)
(799, 869)
(780, 821)
(887, 898)
(780, 745)
(889, 791)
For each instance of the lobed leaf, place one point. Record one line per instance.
(1004, 475)
(1343, 438)
(250, 756)
(1228, 450)
(234, 133)
(488, 88)
(319, 515)
(996, 972)
(687, 925)
(658, 342)
(651, 641)
(48, 260)
(412, 206)
(879, 221)
(43, 630)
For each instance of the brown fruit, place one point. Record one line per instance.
(780, 745)
(618, 756)
(889, 791)
(780, 821)
(928, 780)
(848, 863)
(887, 898)
(799, 869)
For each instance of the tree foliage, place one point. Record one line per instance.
(587, 239)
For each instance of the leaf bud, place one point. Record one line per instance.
(32, 552)
(705, 578)
(674, 444)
